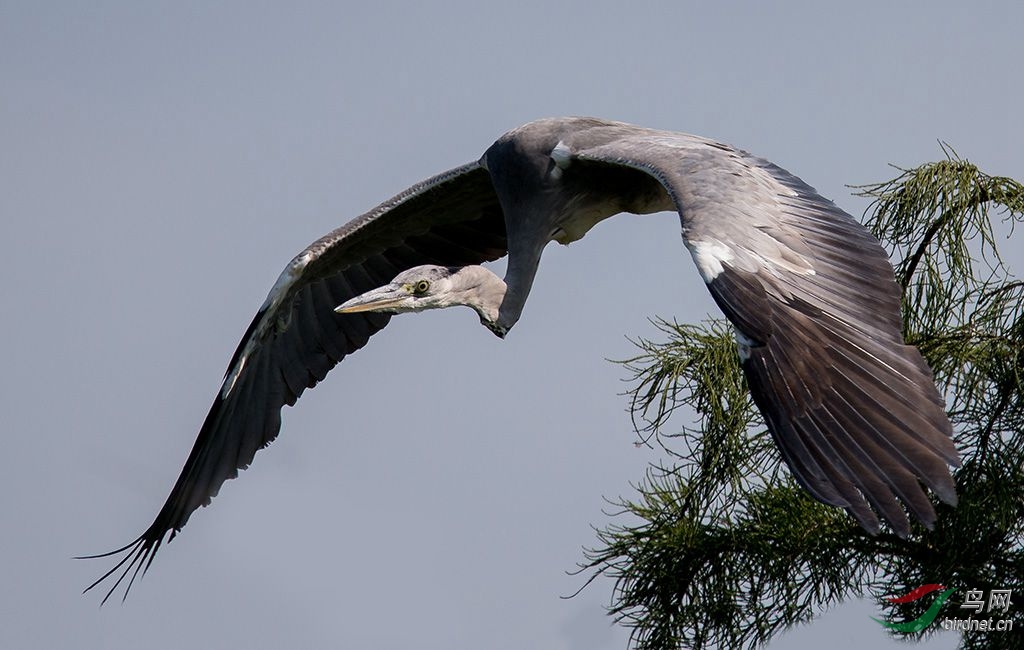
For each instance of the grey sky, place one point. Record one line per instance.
(160, 164)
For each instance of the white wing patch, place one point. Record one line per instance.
(743, 345)
(562, 157)
(229, 381)
(287, 278)
(285, 281)
(709, 256)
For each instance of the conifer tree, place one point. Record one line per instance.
(720, 547)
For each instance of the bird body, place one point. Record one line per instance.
(810, 291)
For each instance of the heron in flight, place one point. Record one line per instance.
(853, 410)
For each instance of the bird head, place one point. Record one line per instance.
(436, 287)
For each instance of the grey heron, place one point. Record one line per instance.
(854, 410)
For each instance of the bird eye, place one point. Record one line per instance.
(421, 287)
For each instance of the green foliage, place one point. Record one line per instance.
(723, 549)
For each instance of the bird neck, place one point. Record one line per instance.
(484, 292)
(523, 260)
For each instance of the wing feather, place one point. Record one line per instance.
(296, 337)
(854, 410)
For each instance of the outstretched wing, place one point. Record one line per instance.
(452, 219)
(811, 293)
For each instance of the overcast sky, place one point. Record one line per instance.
(159, 165)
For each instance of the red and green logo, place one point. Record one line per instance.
(924, 620)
